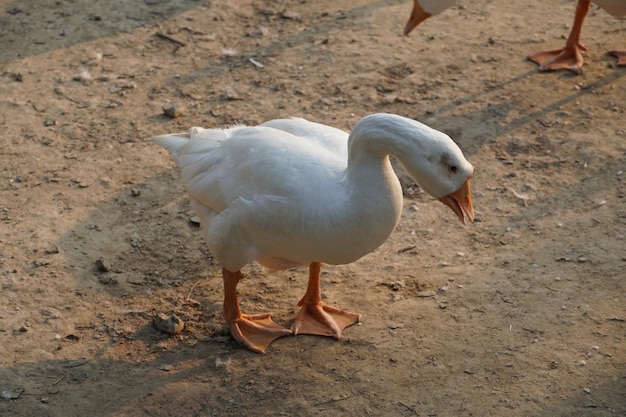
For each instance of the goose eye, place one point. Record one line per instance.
(453, 169)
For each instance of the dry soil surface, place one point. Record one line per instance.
(520, 314)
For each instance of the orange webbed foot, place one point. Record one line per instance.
(316, 317)
(322, 320)
(256, 332)
(557, 59)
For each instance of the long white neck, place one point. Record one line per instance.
(374, 138)
(370, 178)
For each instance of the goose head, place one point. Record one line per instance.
(430, 157)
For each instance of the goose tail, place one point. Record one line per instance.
(173, 142)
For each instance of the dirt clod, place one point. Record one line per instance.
(171, 324)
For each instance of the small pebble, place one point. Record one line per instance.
(103, 265)
(171, 324)
(173, 110)
(135, 240)
(230, 93)
(396, 285)
(290, 15)
(52, 250)
(219, 362)
(84, 76)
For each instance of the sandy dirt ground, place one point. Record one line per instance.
(520, 314)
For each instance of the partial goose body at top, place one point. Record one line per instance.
(569, 57)
(291, 192)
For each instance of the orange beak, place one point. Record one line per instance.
(460, 202)
(418, 15)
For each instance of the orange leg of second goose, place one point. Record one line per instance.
(570, 57)
(317, 318)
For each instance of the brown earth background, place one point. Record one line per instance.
(520, 314)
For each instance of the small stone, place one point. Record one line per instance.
(166, 367)
(103, 265)
(173, 110)
(84, 76)
(230, 93)
(396, 285)
(52, 250)
(135, 240)
(426, 293)
(290, 15)
(171, 324)
(223, 363)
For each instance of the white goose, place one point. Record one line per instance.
(292, 192)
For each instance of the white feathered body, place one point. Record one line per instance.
(282, 194)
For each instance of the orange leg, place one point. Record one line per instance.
(570, 57)
(317, 318)
(621, 56)
(255, 332)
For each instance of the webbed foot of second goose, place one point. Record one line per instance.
(620, 54)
